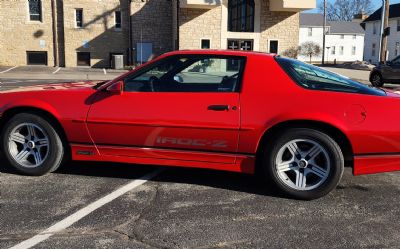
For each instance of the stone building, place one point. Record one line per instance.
(89, 32)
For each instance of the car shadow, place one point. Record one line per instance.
(203, 177)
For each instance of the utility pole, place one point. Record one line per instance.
(384, 30)
(324, 35)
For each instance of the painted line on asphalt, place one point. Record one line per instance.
(75, 217)
(58, 69)
(104, 70)
(5, 71)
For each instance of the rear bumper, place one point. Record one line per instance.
(372, 164)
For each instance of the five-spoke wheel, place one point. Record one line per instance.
(32, 144)
(303, 163)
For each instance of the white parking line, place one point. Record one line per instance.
(70, 220)
(104, 70)
(5, 71)
(58, 69)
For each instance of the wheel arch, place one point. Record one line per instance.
(49, 116)
(335, 133)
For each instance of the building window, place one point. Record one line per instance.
(36, 58)
(118, 20)
(341, 50)
(374, 28)
(35, 10)
(342, 37)
(309, 31)
(333, 50)
(353, 50)
(83, 58)
(398, 25)
(354, 37)
(373, 49)
(79, 18)
(241, 15)
(397, 52)
(273, 46)
(205, 44)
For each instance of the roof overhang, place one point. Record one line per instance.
(292, 5)
(199, 4)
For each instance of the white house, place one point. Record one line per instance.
(344, 40)
(372, 34)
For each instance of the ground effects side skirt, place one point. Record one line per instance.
(376, 163)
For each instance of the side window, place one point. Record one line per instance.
(189, 74)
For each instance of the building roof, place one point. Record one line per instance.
(336, 27)
(394, 11)
(345, 28)
(311, 19)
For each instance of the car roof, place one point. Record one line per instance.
(219, 52)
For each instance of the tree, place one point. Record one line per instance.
(291, 52)
(310, 49)
(344, 10)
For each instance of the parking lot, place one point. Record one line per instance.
(109, 205)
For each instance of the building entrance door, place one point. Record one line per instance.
(239, 44)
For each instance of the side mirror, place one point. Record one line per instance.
(116, 88)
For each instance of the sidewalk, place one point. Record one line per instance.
(58, 73)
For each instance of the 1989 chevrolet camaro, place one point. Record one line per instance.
(294, 123)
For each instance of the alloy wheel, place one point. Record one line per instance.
(28, 144)
(302, 164)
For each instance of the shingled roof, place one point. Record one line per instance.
(394, 11)
(336, 27)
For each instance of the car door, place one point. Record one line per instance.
(186, 102)
(395, 69)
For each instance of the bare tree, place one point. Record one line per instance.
(291, 52)
(310, 49)
(344, 10)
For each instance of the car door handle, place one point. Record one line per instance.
(218, 108)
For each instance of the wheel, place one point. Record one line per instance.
(377, 80)
(303, 163)
(32, 145)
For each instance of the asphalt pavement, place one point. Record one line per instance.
(110, 205)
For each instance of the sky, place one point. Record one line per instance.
(376, 3)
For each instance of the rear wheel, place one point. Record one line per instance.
(32, 145)
(377, 80)
(304, 163)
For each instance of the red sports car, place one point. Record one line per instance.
(295, 123)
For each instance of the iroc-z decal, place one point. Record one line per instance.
(192, 142)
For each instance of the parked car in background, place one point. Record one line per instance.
(388, 72)
(295, 124)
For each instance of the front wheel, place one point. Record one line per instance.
(32, 145)
(376, 80)
(304, 163)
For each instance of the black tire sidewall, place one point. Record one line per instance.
(380, 84)
(56, 148)
(331, 147)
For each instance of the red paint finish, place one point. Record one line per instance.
(178, 129)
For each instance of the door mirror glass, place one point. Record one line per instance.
(116, 88)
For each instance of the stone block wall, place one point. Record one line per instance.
(18, 34)
(98, 34)
(197, 24)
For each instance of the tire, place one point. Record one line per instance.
(315, 170)
(32, 145)
(376, 80)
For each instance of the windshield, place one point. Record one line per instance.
(315, 78)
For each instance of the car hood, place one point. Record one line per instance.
(68, 86)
